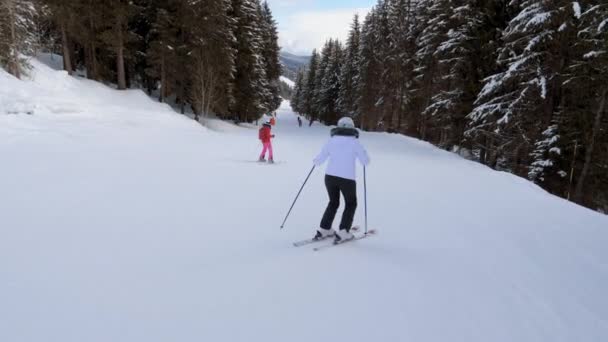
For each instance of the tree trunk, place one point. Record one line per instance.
(67, 57)
(483, 150)
(72, 52)
(120, 67)
(163, 81)
(580, 184)
(423, 127)
(92, 68)
(88, 64)
(13, 58)
(90, 60)
(120, 62)
(94, 60)
(400, 109)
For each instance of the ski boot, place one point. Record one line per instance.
(343, 235)
(324, 234)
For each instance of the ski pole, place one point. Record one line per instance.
(298, 195)
(365, 196)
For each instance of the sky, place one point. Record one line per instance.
(307, 24)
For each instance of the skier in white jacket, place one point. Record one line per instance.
(342, 149)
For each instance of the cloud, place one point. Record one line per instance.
(305, 31)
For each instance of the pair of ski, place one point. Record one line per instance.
(356, 237)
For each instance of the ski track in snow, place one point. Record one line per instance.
(121, 220)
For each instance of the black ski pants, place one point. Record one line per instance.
(348, 188)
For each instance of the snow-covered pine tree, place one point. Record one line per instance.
(349, 74)
(115, 35)
(330, 87)
(318, 107)
(62, 14)
(161, 55)
(250, 85)
(211, 62)
(85, 28)
(369, 69)
(308, 91)
(298, 91)
(182, 76)
(270, 53)
(434, 18)
(456, 78)
(516, 103)
(384, 99)
(399, 64)
(549, 167)
(585, 113)
(16, 34)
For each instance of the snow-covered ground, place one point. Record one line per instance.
(288, 81)
(121, 220)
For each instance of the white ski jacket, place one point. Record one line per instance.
(342, 152)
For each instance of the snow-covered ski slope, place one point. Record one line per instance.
(123, 221)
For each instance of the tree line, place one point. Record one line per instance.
(216, 57)
(518, 85)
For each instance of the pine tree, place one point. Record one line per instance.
(456, 77)
(517, 102)
(298, 91)
(399, 64)
(114, 33)
(318, 107)
(385, 101)
(270, 53)
(435, 20)
(182, 77)
(251, 86)
(369, 69)
(62, 14)
(308, 91)
(85, 30)
(211, 61)
(16, 34)
(585, 112)
(161, 52)
(330, 85)
(349, 75)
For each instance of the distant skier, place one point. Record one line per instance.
(299, 121)
(265, 136)
(342, 149)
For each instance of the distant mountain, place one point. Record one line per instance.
(292, 63)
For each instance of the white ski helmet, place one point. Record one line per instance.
(346, 122)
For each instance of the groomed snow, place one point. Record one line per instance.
(123, 221)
